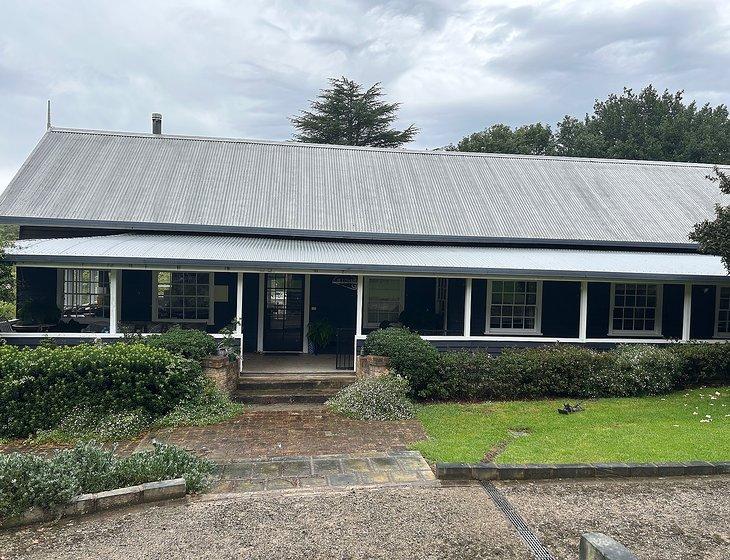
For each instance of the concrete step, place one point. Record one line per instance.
(295, 381)
(284, 395)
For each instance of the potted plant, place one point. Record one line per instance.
(320, 334)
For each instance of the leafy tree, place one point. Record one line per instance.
(7, 273)
(535, 139)
(647, 125)
(714, 236)
(345, 114)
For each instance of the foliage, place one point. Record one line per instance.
(557, 370)
(320, 333)
(40, 386)
(229, 346)
(645, 126)
(345, 114)
(374, 398)
(714, 236)
(674, 427)
(188, 343)
(31, 481)
(210, 406)
(8, 234)
(410, 356)
(7, 310)
(84, 424)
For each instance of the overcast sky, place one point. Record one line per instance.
(225, 68)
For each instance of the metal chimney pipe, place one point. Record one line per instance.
(156, 123)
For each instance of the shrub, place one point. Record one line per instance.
(211, 406)
(637, 369)
(95, 424)
(374, 398)
(460, 376)
(410, 356)
(188, 343)
(40, 387)
(702, 363)
(28, 480)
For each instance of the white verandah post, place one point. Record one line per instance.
(239, 317)
(687, 312)
(583, 317)
(113, 301)
(358, 312)
(467, 308)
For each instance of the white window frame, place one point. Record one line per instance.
(657, 315)
(717, 334)
(538, 309)
(61, 295)
(211, 300)
(366, 297)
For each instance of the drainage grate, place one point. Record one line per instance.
(533, 543)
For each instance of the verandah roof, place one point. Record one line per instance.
(208, 252)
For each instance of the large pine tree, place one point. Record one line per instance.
(345, 114)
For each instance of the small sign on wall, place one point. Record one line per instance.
(220, 294)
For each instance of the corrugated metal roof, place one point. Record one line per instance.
(256, 253)
(162, 182)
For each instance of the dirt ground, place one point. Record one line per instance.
(657, 519)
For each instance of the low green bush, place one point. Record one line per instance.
(210, 406)
(84, 424)
(188, 343)
(40, 387)
(410, 356)
(31, 481)
(374, 398)
(559, 370)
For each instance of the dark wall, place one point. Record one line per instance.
(599, 306)
(136, 304)
(419, 305)
(560, 309)
(45, 232)
(250, 311)
(333, 303)
(455, 319)
(672, 310)
(36, 284)
(224, 312)
(478, 307)
(702, 323)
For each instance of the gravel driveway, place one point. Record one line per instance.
(657, 519)
(393, 523)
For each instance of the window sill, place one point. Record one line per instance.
(517, 332)
(625, 334)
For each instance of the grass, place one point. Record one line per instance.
(649, 429)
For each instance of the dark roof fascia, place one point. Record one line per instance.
(350, 236)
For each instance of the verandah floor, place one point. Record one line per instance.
(289, 363)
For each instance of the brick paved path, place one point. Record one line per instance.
(283, 473)
(284, 433)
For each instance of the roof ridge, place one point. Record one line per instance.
(435, 152)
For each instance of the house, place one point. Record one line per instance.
(134, 232)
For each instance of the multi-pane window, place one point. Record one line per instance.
(635, 308)
(723, 311)
(85, 293)
(514, 305)
(183, 296)
(383, 300)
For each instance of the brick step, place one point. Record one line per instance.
(294, 381)
(282, 396)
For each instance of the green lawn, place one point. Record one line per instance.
(608, 430)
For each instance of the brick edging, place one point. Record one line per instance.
(102, 501)
(495, 471)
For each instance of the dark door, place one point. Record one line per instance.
(283, 312)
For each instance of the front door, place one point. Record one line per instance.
(283, 312)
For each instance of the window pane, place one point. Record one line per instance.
(634, 307)
(183, 296)
(514, 305)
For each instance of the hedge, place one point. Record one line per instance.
(41, 386)
(189, 343)
(555, 370)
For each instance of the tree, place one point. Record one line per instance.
(714, 236)
(535, 139)
(345, 114)
(647, 125)
(7, 274)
